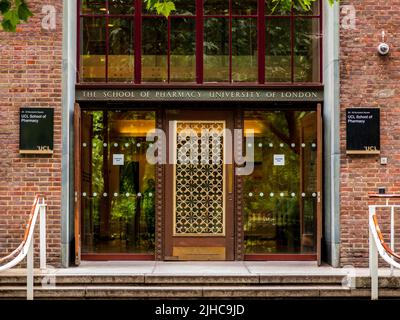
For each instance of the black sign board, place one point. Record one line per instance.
(363, 130)
(36, 130)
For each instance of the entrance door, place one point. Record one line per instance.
(117, 186)
(282, 197)
(199, 190)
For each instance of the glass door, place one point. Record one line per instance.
(281, 195)
(118, 185)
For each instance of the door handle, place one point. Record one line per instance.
(319, 197)
(230, 181)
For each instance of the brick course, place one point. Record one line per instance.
(369, 80)
(30, 76)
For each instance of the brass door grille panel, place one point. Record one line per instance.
(200, 253)
(199, 189)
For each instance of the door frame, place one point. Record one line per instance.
(170, 239)
(77, 183)
(159, 180)
(320, 182)
(160, 212)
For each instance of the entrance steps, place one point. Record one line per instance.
(220, 287)
(201, 281)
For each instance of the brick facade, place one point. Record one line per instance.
(31, 73)
(30, 76)
(368, 80)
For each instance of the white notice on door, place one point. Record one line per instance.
(118, 159)
(279, 159)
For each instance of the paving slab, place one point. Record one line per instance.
(201, 268)
(202, 279)
(290, 268)
(261, 292)
(236, 268)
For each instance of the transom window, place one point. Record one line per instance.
(203, 41)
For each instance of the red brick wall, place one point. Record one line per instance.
(30, 76)
(369, 80)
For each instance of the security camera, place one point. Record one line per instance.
(383, 49)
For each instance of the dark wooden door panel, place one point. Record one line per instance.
(213, 237)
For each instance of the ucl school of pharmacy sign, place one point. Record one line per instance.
(199, 95)
(36, 131)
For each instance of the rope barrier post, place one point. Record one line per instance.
(43, 262)
(29, 272)
(373, 260)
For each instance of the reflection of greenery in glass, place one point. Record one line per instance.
(93, 49)
(278, 63)
(244, 7)
(216, 50)
(273, 8)
(97, 159)
(244, 50)
(272, 224)
(306, 50)
(121, 58)
(213, 7)
(154, 49)
(278, 50)
(122, 220)
(284, 7)
(149, 206)
(183, 46)
(184, 7)
(93, 7)
(121, 6)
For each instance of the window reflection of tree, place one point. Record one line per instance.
(124, 222)
(272, 223)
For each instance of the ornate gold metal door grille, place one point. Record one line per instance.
(199, 182)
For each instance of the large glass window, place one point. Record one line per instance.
(280, 196)
(93, 49)
(107, 41)
(230, 41)
(183, 50)
(278, 52)
(154, 50)
(169, 45)
(244, 50)
(216, 50)
(118, 184)
(121, 50)
(292, 39)
(306, 50)
(223, 41)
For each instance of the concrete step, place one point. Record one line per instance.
(176, 280)
(217, 292)
(190, 292)
(128, 286)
